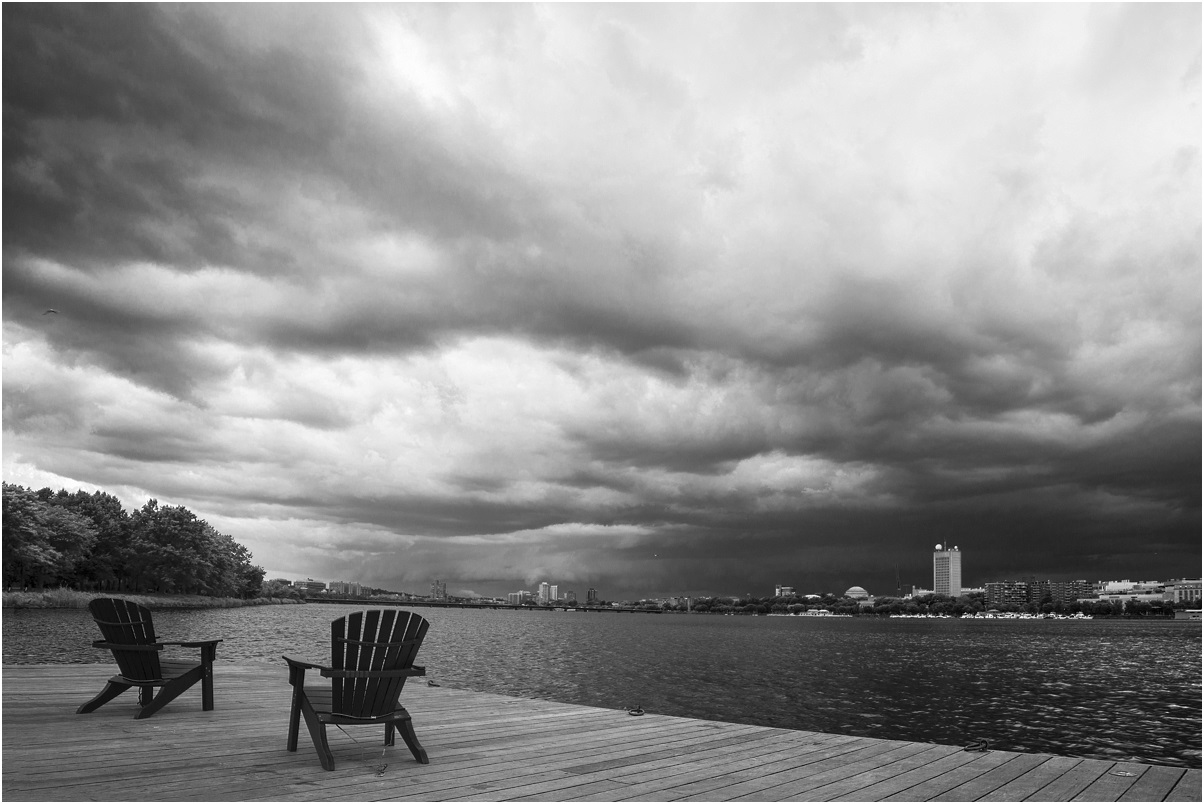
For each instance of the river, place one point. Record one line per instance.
(1105, 689)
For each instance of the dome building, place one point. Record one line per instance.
(857, 593)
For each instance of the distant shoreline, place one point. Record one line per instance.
(74, 599)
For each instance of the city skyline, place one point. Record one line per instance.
(548, 593)
(659, 299)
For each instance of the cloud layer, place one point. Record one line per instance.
(657, 300)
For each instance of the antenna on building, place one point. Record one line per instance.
(898, 586)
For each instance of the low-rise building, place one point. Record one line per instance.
(1184, 591)
(1018, 593)
(1007, 593)
(1126, 586)
(1059, 591)
(1144, 597)
(310, 586)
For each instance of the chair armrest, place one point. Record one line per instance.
(410, 671)
(208, 649)
(303, 665)
(296, 671)
(100, 643)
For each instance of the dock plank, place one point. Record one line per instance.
(939, 785)
(897, 783)
(1187, 788)
(985, 783)
(487, 747)
(754, 781)
(1113, 784)
(696, 775)
(1154, 785)
(800, 785)
(1020, 788)
(846, 786)
(1072, 782)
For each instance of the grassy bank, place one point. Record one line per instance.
(73, 599)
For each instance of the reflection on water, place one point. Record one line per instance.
(1103, 689)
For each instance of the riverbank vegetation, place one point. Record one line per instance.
(64, 598)
(89, 543)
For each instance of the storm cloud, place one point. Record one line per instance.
(687, 299)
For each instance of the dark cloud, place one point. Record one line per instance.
(775, 295)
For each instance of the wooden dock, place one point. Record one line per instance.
(487, 747)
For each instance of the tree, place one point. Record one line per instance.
(88, 541)
(43, 543)
(167, 543)
(1137, 608)
(105, 567)
(279, 587)
(177, 552)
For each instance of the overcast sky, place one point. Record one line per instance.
(653, 299)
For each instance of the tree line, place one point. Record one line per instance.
(90, 542)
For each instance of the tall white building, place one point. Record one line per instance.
(947, 571)
(554, 592)
(544, 589)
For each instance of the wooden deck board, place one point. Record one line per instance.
(1024, 786)
(893, 778)
(820, 774)
(898, 783)
(612, 777)
(696, 773)
(985, 783)
(938, 786)
(486, 747)
(1187, 788)
(1072, 782)
(758, 777)
(1154, 784)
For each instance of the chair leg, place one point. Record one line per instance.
(207, 688)
(294, 722)
(389, 740)
(112, 690)
(406, 727)
(317, 733)
(171, 690)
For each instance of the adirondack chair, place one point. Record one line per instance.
(372, 655)
(130, 635)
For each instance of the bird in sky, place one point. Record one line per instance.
(52, 310)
